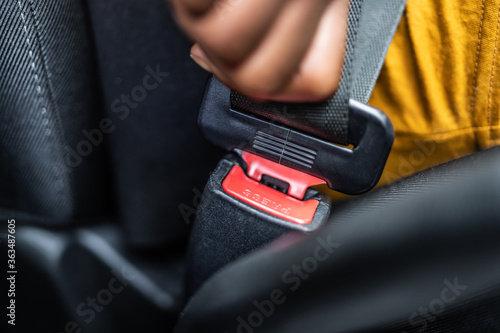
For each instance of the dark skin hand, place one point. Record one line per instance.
(283, 50)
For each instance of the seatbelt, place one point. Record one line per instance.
(281, 150)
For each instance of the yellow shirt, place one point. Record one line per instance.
(440, 84)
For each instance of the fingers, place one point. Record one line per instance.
(285, 50)
(279, 55)
(231, 29)
(277, 58)
(320, 71)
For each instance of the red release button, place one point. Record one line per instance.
(260, 196)
(298, 180)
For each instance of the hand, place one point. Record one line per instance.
(283, 50)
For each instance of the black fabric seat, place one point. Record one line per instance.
(382, 264)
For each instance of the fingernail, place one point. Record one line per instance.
(201, 62)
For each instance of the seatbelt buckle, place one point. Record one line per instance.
(276, 190)
(276, 165)
(263, 191)
(350, 171)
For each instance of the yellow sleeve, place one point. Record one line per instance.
(440, 84)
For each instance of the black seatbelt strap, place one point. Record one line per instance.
(377, 25)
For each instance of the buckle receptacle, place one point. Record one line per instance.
(264, 198)
(261, 188)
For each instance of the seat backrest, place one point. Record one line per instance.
(52, 148)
